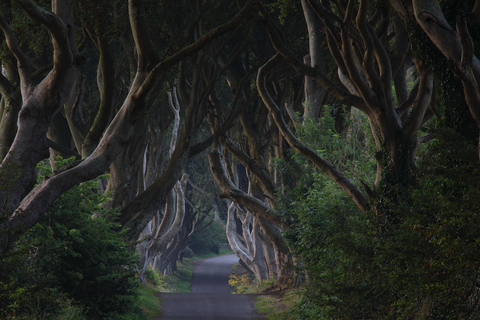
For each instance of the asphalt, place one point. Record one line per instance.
(210, 297)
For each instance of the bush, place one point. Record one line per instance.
(247, 284)
(425, 265)
(70, 259)
(334, 253)
(241, 283)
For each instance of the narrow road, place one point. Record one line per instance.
(210, 297)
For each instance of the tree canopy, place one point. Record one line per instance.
(339, 137)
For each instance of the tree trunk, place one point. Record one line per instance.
(314, 93)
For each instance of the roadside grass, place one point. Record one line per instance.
(243, 282)
(147, 303)
(180, 281)
(270, 303)
(147, 307)
(277, 306)
(246, 284)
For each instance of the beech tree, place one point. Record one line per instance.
(376, 47)
(42, 98)
(239, 79)
(454, 42)
(240, 164)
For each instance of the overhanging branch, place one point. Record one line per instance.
(343, 182)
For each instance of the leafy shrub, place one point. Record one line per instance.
(70, 259)
(187, 252)
(334, 252)
(425, 265)
(154, 279)
(240, 283)
(246, 283)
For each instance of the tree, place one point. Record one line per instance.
(41, 99)
(250, 101)
(368, 270)
(370, 76)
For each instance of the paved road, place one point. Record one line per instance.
(210, 297)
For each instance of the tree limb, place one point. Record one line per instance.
(422, 101)
(63, 56)
(306, 70)
(230, 191)
(343, 182)
(160, 68)
(22, 62)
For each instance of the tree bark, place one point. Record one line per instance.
(314, 93)
(41, 100)
(343, 182)
(229, 190)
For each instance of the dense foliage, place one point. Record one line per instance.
(361, 266)
(70, 261)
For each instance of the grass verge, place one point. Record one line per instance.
(180, 280)
(274, 305)
(277, 305)
(147, 303)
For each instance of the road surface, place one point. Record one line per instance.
(210, 297)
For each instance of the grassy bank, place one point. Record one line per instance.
(272, 304)
(147, 302)
(277, 305)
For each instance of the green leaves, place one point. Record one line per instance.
(78, 259)
(424, 263)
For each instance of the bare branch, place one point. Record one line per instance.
(258, 169)
(22, 62)
(430, 17)
(229, 190)
(422, 101)
(404, 108)
(146, 53)
(306, 70)
(160, 68)
(63, 57)
(351, 64)
(369, 55)
(465, 71)
(6, 88)
(343, 182)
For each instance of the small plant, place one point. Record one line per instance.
(267, 283)
(277, 306)
(154, 279)
(246, 283)
(240, 283)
